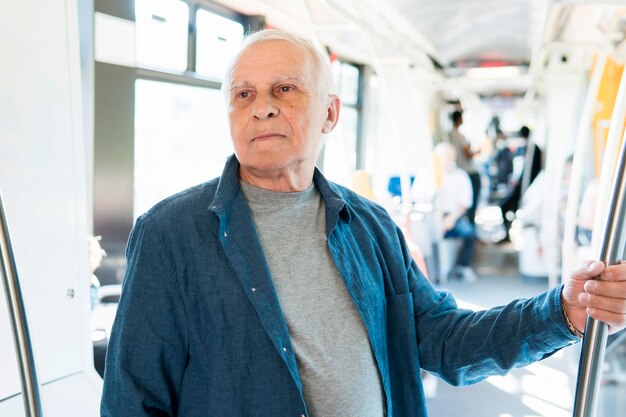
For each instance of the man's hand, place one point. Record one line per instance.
(604, 299)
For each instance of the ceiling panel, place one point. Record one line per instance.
(469, 31)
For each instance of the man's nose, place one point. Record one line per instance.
(264, 107)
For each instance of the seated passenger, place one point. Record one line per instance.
(453, 199)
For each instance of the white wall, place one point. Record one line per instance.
(44, 189)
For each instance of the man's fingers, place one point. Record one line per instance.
(602, 290)
(601, 303)
(614, 320)
(587, 270)
(606, 288)
(614, 273)
(592, 269)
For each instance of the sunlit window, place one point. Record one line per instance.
(340, 152)
(348, 84)
(340, 149)
(181, 139)
(218, 39)
(162, 31)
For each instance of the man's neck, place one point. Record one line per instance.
(280, 181)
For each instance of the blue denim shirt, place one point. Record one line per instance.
(199, 330)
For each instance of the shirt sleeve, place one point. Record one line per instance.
(147, 353)
(464, 347)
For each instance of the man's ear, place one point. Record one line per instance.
(332, 114)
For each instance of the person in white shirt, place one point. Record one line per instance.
(453, 199)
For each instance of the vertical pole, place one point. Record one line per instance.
(17, 313)
(596, 332)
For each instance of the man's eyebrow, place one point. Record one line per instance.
(296, 78)
(282, 78)
(241, 84)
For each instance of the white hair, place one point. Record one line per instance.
(321, 63)
(446, 151)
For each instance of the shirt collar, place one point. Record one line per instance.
(228, 187)
(333, 200)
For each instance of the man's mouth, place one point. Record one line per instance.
(267, 135)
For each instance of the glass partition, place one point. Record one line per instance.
(218, 39)
(161, 34)
(181, 139)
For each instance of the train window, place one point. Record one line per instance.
(218, 38)
(347, 80)
(340, 148)
(340, 152)
(161, 34)
(181, 139)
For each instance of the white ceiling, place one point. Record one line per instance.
(465, 32)
(451, 33)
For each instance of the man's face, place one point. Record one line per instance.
(275, 111)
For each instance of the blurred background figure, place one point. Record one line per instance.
(533, 154)
(517, 184)
(503, 164)
(96, 253)
(465, 160)
(453, 200)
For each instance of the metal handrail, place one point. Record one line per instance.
(596, 332)
(17, 313)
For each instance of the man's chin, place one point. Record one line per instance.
(272, 166)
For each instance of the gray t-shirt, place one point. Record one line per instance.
(335, 359)
(459, 141)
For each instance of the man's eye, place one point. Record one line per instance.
(243, 94)
(286, 88)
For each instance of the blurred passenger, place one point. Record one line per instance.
(453, 201)
(270, 291)
(503, 161)
(533, 159)
(95, 255)
(465, 160)
(533, 154)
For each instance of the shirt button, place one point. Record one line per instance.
(225, 234)
(284, 349)
(253, 289)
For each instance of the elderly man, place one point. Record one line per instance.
(272, 292)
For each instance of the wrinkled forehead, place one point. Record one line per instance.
(272, 58)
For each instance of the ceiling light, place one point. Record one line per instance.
(492, 73)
